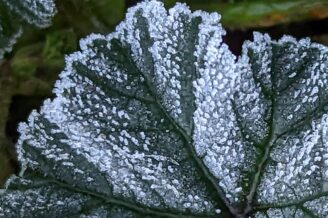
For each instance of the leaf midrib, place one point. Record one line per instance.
(188, 141)
(269, 144)
(134, 207)
(289, 204)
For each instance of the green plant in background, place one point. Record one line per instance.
(93, 16)
(48, 54)
(160, 119)
(258, 13)
(13, 12)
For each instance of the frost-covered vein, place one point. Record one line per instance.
(308, 212)
(309, 70)
(317, 113)
(295, 78)
(222, 201)
(57, 153)
(99, 82)
(242, 128)
(87, 115)
(267, 145)
(265, 90)
(97, 182)
(257, 177)
(293, 203)
(135, 207)
(94, 199)
(275, 71)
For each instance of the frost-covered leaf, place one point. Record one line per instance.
(43, 197)
(37, 12)
(10, 29)
(290, 78)
(13, 12)
(159, 119)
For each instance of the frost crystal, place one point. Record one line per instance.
(160, 119)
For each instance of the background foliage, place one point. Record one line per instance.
(27, 74)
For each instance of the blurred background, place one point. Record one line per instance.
(27, 74)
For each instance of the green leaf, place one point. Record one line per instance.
(57, 45)
(159, 119)
(25, 61)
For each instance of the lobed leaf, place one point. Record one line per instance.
(159, 119)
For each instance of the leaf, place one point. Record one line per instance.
(44, 198)
(10, 30)
(293, 161)
(159, 119)
(12, 12)
(36, 12)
